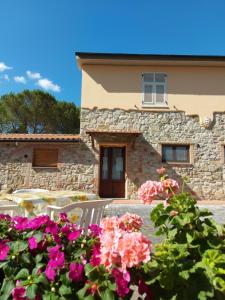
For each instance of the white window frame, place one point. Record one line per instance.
(154, 83)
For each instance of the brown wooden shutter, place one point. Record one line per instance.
(45, 158)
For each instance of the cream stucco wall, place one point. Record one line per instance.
(193, 89)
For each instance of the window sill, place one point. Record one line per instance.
(54, 168)
(155, 106)
(178, 164)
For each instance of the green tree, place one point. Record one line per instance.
(37, 112)
(68, 117)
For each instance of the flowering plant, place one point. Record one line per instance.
(43, 259)
(190, 262)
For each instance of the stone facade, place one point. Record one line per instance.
(74, 171)
(206, 171)
(78, 163)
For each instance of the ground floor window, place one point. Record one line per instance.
(176, 153)
(45, 158)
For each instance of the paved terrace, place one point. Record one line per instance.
(120, 207)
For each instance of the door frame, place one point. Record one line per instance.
(119, 145)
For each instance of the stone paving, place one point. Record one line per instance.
(144, 212)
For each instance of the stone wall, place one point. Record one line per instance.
(74, 171)
(206, 172)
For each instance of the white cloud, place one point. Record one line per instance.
(33, 75)
(6, 77)
(4, 67)
(47, 84)
(20, 79)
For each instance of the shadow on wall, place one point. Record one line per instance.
(145, 160)
(182, 81)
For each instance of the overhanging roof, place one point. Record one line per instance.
(113, 132)
(20, 137)
(148, 59)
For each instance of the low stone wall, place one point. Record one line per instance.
(74, 171)
(207, 170)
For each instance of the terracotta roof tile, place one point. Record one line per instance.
(39, 137)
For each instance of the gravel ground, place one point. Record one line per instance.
(145, 210)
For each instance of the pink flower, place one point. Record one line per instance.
(56, 257)
(74, 235)
(52, 228)
(5, 217)
(20, 223)
(32, 243)
(170, 187)
(173, 213)
(161, 171)
(50, 273)
(4, 249)
(131, 222)
(95, 229)
(121, 282)
(63, 217)
(37, 222)
(95, 259)
(109, 223)
(19, 293)
(149, 190)
(76, 272)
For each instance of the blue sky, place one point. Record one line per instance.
(38, 38)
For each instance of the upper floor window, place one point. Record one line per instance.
(47, 158)
(176, 153)
(154, 89)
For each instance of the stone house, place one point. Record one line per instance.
(138, 113)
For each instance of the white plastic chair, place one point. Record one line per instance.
(10, 209)
(91, 211)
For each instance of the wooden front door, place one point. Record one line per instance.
(112, 172)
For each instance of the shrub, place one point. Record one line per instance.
(42, 259)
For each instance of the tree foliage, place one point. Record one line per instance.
(37, 112)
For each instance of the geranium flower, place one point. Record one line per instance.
(4, 249)
(76, 272)
(131, 222)
(149, 190)
(52, 228)
(32, 242)
(170, 186)
(19, 293)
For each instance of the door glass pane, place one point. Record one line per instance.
(117, 163)
(181, 153)
(105, 164)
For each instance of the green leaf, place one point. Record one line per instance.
(6, 290)
(38, 258)
(65, 290)
(189, 238)
(107, 295)
(26, 258)
(81, 293)
(31, 291)
(22, 274)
